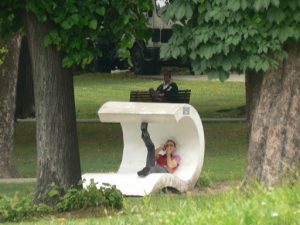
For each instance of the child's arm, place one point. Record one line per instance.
(157, 151)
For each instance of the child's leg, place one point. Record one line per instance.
(157, 169)
(149, 145)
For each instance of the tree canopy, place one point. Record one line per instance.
(221, 36)
(77, 24)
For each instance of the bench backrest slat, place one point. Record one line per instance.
(144, 96)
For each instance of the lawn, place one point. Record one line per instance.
(101, 144)
(224, 163)
(101, 149)
(211, 98)
(249, 206)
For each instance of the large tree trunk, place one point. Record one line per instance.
(56, 132)
(253, 83)
(8, 84)
(25, 97)
(274, 145)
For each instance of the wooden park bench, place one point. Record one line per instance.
(144, 96)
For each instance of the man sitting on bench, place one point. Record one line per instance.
(166, 92)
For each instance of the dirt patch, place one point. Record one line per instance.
(216, 188)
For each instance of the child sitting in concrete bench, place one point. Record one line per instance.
(157, 163)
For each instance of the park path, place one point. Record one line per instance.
(16, 180)
(232, 77)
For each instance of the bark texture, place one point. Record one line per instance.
(25, 97)
(274, 145)
(56, 132)
(8, 84)
(253, 83)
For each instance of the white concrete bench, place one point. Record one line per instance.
(179, 122)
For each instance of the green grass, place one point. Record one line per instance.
(210, 98)
(249, 206)
(225, 160)
(10, 189)
(254, 206)
(101, 149)
(101, 144)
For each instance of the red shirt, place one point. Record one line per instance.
(162, 160)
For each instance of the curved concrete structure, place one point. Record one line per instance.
(179, 122)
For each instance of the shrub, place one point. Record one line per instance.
(114, 198)
(91, 197)
(17, 208)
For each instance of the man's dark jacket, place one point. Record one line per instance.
(170, 92)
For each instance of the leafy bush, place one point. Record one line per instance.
(108, 196)
(114, 197)
(17, 208)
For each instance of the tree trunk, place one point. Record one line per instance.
(8, 84)
(252, 86)
(56, 132)
(25, 97)
(274, 145)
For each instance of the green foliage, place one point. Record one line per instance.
(77, 24)
(54, 192)
(18, 208)
(108, 197)
(232, 36)
(10, 17)
(3, 52)
(253, 205)
(179, 9)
